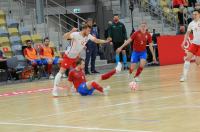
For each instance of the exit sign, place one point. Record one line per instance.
(77, 10)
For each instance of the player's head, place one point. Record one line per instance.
(86, 29)
(116, 18)
(29, 43)
(80, 63)
(196, 14)
(143, 27)
(46, 41)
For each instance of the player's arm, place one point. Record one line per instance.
(26, 55)
(68, 35)
(124, 45)
(152, 51)
(187, 34)
(41, 53)
(98, 41)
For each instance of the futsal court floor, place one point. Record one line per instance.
(162, 104)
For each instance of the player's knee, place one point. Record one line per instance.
(123, 52)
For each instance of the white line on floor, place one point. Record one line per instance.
(72, 127)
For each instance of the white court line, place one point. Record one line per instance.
(72, 127)
(100, 107)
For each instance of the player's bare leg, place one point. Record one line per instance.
(95, 84)
(55, 91)
(198, 60)
(186, 66)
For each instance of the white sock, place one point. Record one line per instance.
(57, 80)
(186, 68)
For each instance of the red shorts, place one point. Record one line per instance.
(195, 49)
(68, 62)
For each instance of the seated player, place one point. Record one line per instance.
(31, 55)
(48, 58)
(77, 78)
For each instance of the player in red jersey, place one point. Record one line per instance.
(77, 78)
(140, 39)
(78, 42)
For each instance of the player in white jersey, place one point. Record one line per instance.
(78, 42)
(194, 48)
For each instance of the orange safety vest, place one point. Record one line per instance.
(47, 52)
(31, 53)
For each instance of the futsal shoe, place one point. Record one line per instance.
(106, 90)
(51, 76)
(137, 79)
(183, 78)
(55, 92)
(119, 67)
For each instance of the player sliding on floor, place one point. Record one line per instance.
(140, 39)
(77, 78)
(78, 42)
(194, 48)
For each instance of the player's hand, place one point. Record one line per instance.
(119, 50)
(74, 29)
(183, 45)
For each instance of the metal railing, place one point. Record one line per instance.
(169, 19)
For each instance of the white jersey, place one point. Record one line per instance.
(78, 42)
(195, 27)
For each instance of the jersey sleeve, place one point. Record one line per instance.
(71, 76)
(189, 27)
(133, 35)
(72, 35)
(25, 52)
(90, 37)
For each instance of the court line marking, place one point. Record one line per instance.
(72, 127)
(100, 107)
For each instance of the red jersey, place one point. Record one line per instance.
(140, 40)
(77, 77)
(47, 52)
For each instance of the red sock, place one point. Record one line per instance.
(139, 70)
(131, 70)
(97, 87)
(108, 74)
(49, 68)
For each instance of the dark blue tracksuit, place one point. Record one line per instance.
(91, 51)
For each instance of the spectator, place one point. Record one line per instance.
(1, 54)
(191, 3)
(48, 58)
(109, 52)
(92, 49)
(118, 35)
(31, 55)
(178, 3)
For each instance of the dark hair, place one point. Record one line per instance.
(79, 61)
(116, 15)
(197, 10)
(85, 26)
(46, 38)
(28, 41)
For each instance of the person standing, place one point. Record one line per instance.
(194, 48)
(139, 54)
(118, 35)
(92, 48)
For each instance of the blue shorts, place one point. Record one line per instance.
(37, 61)
(84, 91)
(55, 61)
(137, 56)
